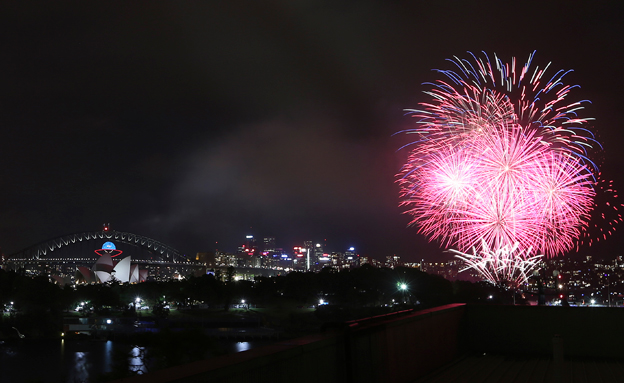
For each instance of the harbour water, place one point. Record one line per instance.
(77, 360)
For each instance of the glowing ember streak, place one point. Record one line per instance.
(507, 266)
(501, 164)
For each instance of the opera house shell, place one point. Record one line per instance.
(104, 270)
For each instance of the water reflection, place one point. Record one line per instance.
(242, 346)
(137, 359)
(72, 360)
(108, 356)
(80, 371)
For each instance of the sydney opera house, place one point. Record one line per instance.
(104, 256)
(106, 270)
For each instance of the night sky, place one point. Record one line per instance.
(193, 123)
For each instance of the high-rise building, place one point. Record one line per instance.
(299, 258)
(307, 245)
(249, 246)
(317, 256)
(318, 251)
(269, 244)
(351, 258)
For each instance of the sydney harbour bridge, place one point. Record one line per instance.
(61, 257)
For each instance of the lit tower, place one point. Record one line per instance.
(307, 245)
(318, 252)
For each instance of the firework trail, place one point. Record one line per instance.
(501, 166)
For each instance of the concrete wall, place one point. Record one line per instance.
(594, 332)
(403, 349)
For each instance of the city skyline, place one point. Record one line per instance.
(328, 246)
(196, 124)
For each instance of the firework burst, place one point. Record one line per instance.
(500, 165)
(507, 265)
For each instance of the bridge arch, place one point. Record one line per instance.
(45, 249)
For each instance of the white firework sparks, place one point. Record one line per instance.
(505, 265)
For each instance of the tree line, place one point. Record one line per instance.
(40, 305)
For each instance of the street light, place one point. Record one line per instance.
(403, 288)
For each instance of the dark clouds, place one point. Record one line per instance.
(192, 122)
(284, 172)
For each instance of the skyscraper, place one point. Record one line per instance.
(307, 245)
(269, 244)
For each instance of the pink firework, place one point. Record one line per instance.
(500, 162)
